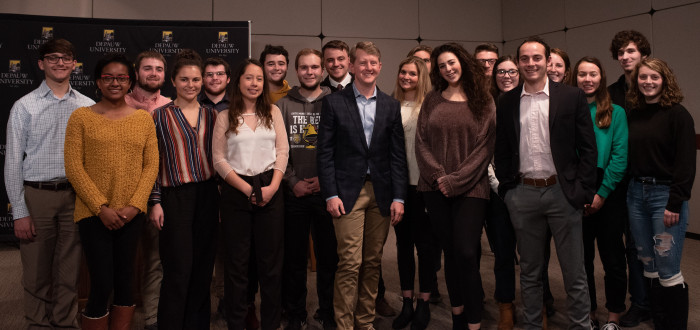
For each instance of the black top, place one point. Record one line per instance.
(224, 104)
(662, 145)
(618, 93)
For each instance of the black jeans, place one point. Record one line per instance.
(415, 231)
(187, 250)
(303, 215)
(501, 236)
(245, 224)
(110, 260)
(458, 222)
(606, 228)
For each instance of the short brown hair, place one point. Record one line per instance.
(335, 44)
(62, 46)
(623, 38)
(486, 47)
(149, 54)
(216, 61)
(419, 48)
(366, 46)
(307, 51)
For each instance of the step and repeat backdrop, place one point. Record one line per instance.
(22, 35)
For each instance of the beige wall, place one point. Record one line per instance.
(581, 28)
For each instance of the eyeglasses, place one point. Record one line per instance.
(108, 78)
(53, 59)
(212, 74)
(511, 72)
(489, 61)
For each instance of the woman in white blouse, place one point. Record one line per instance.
(250, 152)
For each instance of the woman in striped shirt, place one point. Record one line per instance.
(185, 200)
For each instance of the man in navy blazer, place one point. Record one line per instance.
(546, 164)
(363, 175)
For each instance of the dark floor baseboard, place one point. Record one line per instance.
(694, 236)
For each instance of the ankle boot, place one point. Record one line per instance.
(422, 316)
(459, 322)
(657, 302)
(405, 316)
(121, 317)
(91, 323)
(677, 304)
(506, 316)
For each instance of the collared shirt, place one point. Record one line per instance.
(185, 151)
(368, 111)
(535, 152)
(346, 81)
(138, 99)
(36, 133)
(219, 106)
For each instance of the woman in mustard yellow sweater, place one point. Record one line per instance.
(111, 156)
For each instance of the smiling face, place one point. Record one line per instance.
(556, 68)
(215, 79)
(629, 56)
(251, 83)
(533, 62)
(337, 63)
(588, 78)
(151, 74)
(109, 84)
(188, 82)
(309, 71)
(366, 68)
(450, 68)
(59, 71)
(275, 68)
(650, 83)
(408, 77)
(507, 76)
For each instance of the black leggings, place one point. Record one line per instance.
(458, 222)
(110, 260)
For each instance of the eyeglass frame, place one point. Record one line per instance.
(53, 59)
(511, 72)
(218, 74)
(108, 78)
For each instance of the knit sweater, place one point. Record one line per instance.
(112, 162)
(450, 142)
(612, 148)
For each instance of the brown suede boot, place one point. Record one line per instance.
(121, 317)
(506, 316)
(90, 323)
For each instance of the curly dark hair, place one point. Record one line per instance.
(472, 81)
(623, 38)
(263, 106)
(670, 91)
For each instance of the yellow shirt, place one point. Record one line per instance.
(112, 162)
(276, 96)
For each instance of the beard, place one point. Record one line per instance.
(215, 92)
(309, 87)
(149, 88)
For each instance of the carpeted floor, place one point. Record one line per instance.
(11, 314)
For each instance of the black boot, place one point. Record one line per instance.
(422, 316)
(658, 302)
(459, 322)
(677, 307)
(405, 316)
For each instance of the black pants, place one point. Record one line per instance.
(606, 227)
(187, 250)
(501, 236)
(245, 224)
(458, 222)
(415, 231)
(110, 260)
(304, 215)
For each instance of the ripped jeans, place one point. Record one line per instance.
(658, 247)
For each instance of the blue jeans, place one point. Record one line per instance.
(658, 247)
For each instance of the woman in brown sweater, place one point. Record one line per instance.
(455, 141)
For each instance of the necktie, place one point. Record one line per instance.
(340, 87)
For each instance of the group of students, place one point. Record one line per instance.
(462, 143)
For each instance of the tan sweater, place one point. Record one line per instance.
(451, 143)
(112, 162)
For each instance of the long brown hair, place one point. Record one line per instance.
(472, 81)
(422, 87)
(670, 91)
(604, 108)
(262, 103)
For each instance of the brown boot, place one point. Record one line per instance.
(90, 323)
(506, 318)
(121, 317)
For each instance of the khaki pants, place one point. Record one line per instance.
(361, 234)
(51, 263)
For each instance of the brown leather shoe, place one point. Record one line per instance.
(90, 323)
(382, 307)
(506, 316)
(121, 317)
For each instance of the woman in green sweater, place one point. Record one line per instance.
(604, 217)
